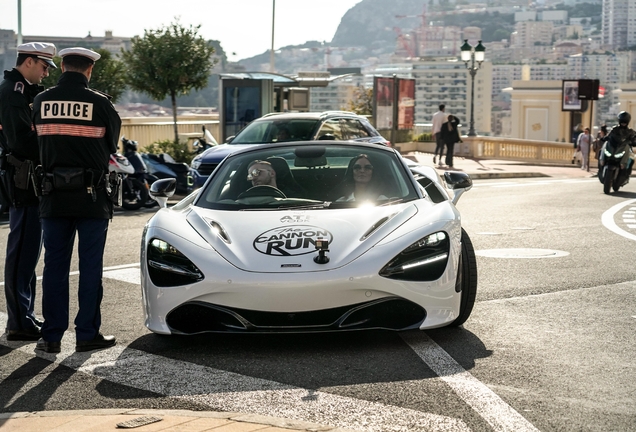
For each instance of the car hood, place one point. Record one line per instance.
(218, 153)
(284, 241)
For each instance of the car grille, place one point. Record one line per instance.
(205, 169)
(390, 313)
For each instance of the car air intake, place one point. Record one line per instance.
(391, 313)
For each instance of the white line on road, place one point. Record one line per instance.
(232, 392)
(500, 415)
(106, 272)
(608, 220)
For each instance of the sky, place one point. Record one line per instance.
(243, 27)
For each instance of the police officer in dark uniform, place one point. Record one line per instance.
(78, 129)
(20, 155)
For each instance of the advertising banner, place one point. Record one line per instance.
(406, 104)
(383, 102)
(570, 96)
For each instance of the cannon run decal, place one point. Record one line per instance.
(290, 240)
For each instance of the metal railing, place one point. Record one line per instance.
(501, 148)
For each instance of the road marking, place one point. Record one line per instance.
(228, 391)
(112, 275)
(500, 415)
(608, 220)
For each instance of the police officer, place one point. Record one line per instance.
(19, 140)
(78, 129)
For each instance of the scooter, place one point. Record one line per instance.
(134, 192)
(141, 173)
(205, 142)
(610, 172)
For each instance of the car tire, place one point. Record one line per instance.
(466, 279)
(136, 197)
(608, 180)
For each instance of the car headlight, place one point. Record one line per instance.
(196, 163)
(424, 260)
(169, 267)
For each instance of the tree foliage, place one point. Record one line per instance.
(109, 75)
(362, 102)
(169, 61)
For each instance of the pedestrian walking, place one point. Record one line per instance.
(19, 144)
(439, 118)
(78, 129)
(450, 136)
(597, 145)
(583, 143)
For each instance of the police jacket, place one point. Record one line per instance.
(17, 134)
(78, 128)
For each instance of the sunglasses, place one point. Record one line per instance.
(357, 167)
(251, 175)
(45, 65)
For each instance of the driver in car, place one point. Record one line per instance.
(261, 173)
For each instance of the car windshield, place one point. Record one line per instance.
(276, 130)
(308, 176)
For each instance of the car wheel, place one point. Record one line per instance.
(466, 280)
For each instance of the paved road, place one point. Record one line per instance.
(549, 345)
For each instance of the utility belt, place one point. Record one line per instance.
(73, 179)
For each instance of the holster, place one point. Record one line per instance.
(23, 172)
(6, 180)
(113, 188)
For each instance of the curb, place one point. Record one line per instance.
(294, 425)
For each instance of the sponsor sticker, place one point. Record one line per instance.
(294, 219)
(291, 240)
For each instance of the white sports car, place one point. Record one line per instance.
(310, 237)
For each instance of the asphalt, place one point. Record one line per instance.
(167, 420)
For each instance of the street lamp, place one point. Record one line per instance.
(472, 54)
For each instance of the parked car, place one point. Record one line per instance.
(240, 256)
(281, 127)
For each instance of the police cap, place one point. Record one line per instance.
(79, 51)
(42, 50)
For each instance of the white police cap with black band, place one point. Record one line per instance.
(42, 50)
(79, 51)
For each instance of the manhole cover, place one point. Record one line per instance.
(521, 253)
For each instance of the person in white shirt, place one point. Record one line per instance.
(439, 118)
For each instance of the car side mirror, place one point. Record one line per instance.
(163, 189)
(229, 139)
(459, 182)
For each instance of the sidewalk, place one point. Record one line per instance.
(498, 169)
(152, 420)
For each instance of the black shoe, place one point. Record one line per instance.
(49, 347)
(99, 342)
(31, 334)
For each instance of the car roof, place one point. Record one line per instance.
(256, 147)
(309, 115)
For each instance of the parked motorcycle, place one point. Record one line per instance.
(204, 142)
(163, 166)
(134, 191)
(611, 173)
(142, 173)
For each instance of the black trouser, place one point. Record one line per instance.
(439, 148)
(24, 244)
(450, 148)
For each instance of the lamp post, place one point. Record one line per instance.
(472, 54)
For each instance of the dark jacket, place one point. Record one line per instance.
(77, 128)
(620, 135)
(17, 134)
(450, 132)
